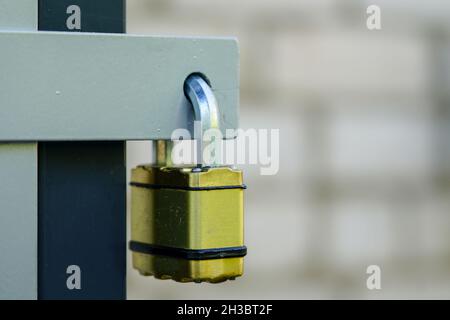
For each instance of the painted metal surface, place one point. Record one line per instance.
(82, 15)
(18, 187)
(93, 204)
(18, 15)
(86, 86)
(18, 221)
(82, 220)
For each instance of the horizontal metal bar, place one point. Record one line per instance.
(87, 86)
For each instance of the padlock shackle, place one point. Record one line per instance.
(206, 110)
(203, 101)
(206, 117)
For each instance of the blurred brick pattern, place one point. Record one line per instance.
(364, 119)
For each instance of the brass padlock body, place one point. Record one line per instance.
(187, 223)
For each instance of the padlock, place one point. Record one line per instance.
(187, 223)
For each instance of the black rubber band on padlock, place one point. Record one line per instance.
(158, 186)
(188, 254)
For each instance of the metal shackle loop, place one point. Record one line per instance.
(206, 111)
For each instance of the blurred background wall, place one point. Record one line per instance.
(364, 119)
